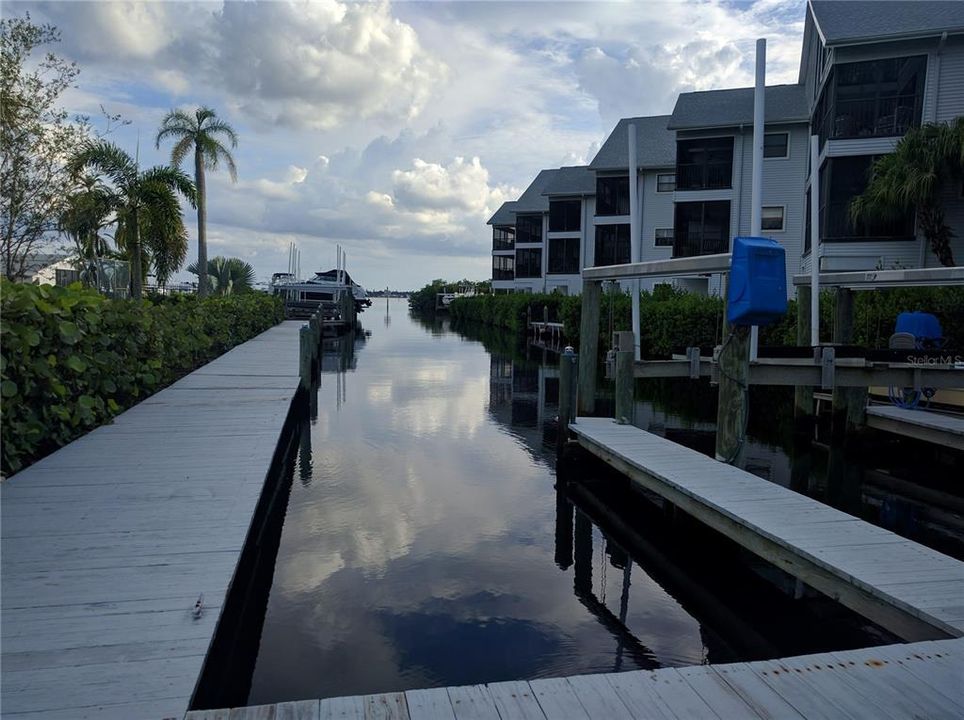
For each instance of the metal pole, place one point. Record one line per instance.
(814, 241)
(634, 229)
(756, 187)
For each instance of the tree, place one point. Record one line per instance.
(200, 132)
(141, 199)
(87, 213)
(227, 275)
(36, 136)
(160, 232)
(925, 163)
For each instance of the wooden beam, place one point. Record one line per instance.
(589, 345)
(675, 267)
(877, 279)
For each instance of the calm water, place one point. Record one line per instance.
(426, 542)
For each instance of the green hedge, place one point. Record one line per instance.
(671, 319)
(72, 359)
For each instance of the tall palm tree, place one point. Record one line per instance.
(200, 132)
(227, 275)
(925, 163)
(162, 235)
(135, 193)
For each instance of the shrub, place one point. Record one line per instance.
(72, 359)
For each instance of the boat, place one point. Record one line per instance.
(326, 288)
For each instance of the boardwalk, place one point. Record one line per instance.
(910, 589)
(935, 427)
(922, 680)
(108, 543)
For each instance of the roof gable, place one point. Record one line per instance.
(655, 145)
(734, 107)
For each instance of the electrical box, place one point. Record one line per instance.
(757, 293)
(926, 328)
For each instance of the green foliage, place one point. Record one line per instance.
(422, 302)
(227, 276)
(72, 359)
(672, 319)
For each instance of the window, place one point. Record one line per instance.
(564, 256)
(528, 263)
(875, 98)
(704, 164)
(503, 267)
(772, 218)
(702, 228)
(664, 237)
(612, 244)
(528, 229)
(666, 183)
(565, 215)
(776, 145)
(612, 196)
(841, 180)
(64, 277)
(503, 237)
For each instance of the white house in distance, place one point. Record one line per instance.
(869, 72)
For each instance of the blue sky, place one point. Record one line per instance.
(396, 129)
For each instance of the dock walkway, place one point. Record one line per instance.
(928, 425)
(109, 542)
(915, 592)
(895, 682)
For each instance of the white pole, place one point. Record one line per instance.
(756, 186)
(814, 241)
(634, 229)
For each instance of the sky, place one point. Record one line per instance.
(396, 129)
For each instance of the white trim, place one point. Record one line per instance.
(776, 157)
(663, 192)
(783, 219)
(654, 237)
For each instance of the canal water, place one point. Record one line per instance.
(428, 540)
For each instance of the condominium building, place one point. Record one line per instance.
(869, 72)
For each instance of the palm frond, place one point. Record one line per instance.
(177, 124)
(180, 150)
(106, 158)
(221, 127)
(173, 178)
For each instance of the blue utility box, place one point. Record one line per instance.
(923, 326)
(757, 293)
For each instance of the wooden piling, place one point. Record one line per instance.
(732, 405)
(625, 355)
(589, 345)
(305, 356)
(848, 403)
(803, 395)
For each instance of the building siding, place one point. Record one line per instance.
(950, 96)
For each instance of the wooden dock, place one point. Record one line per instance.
(109, 542)
(895, 682)
(913, 591)
(927, 425)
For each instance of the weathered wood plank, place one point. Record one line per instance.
(866, 568)
(431, 704)
(515, 700)
(109, 541)
(472, 702)
(558, 699)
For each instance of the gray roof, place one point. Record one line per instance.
(655, 145)
(532, 200)
(856, 21)
(727, 108)
(505, 215)
(572, 180)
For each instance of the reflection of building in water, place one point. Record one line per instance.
(338, 358)
(524, 396)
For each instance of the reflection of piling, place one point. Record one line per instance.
(625, 382)
(564, 512)
(582, 554)
(304, 449)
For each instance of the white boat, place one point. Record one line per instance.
(304, 296)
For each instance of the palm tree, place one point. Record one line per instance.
(87, 212)
(135, 192)
(227, 275)
(162, 235)
(200, 132)
(925, 162)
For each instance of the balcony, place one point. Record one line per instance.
(693, 245)
(503, 274)
(704, 176)
(874, 117)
